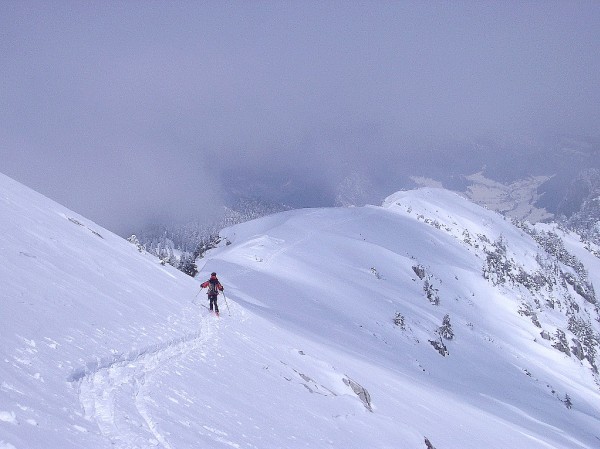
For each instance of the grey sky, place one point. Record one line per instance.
(133, 112)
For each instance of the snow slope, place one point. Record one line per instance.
(103, 347)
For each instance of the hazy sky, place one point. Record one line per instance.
(135, 111)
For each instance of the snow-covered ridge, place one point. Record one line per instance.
(363, 327)
(517, 199)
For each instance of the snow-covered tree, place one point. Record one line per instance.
(445, 330)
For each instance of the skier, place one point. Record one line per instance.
(214, 286)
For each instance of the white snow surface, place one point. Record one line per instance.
(103, 347)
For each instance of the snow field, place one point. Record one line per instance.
(103, 347)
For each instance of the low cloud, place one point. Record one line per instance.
(136, 115)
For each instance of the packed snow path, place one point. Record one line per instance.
(115, 392)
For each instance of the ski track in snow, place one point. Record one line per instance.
(112, 391)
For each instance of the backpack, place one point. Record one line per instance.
(212, 288)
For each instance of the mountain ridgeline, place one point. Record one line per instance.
(573, 203)
(555, 280)
(425, 322)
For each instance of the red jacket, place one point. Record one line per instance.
(213, 279)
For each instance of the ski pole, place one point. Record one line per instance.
(199, 291)
(226, 303)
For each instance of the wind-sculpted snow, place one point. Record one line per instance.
(324, 338)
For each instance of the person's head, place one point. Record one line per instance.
(213, 275)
